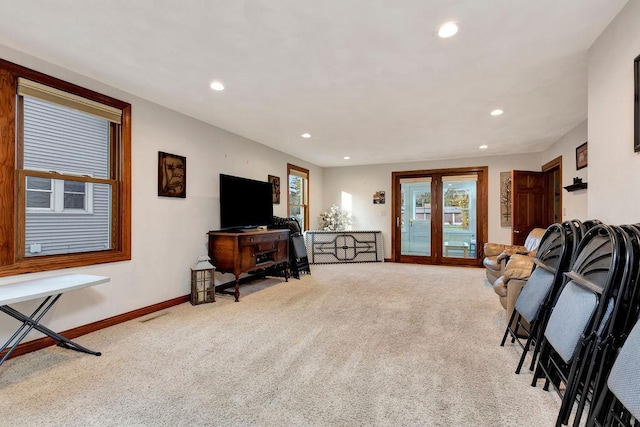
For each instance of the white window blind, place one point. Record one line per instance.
(298, 173)
(47, 93)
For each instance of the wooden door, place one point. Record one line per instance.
(428, 227)
(530, 204)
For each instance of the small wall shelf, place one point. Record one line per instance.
(576, 186)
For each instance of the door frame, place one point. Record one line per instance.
(548, 168)
(437, 257)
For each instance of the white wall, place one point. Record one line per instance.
(167, 233)
(614, 169)
(363, 181)
(574, 204)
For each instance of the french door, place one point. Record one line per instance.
(440, 216)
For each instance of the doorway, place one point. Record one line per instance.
(536, 199)
(553, 172)
(440, 216)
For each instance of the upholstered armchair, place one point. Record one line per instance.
(497, 255)
(515, 275)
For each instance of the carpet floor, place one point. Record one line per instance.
(379, 344)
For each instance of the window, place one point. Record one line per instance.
(74, 196)
(39, 193)
(298, 194)
(58, 196)
(66, 153)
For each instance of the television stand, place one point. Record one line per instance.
(248, 251)
(240, 230)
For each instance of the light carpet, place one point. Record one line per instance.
(379, 344)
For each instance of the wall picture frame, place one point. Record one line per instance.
(172, 175)
(582, 156)
(505, 199)
(275, 189)
(379, 198)
(636, 104)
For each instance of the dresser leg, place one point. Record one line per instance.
(237, 289)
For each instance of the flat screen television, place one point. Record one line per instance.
(244, 203)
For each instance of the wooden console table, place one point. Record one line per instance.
(248, 251)
(329, 247)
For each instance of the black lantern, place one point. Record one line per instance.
(202, 283)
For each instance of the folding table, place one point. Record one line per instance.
(51, 289)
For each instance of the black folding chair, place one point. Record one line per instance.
(557, 247)
(619, 325)
(298, 260)
(609, 333)
(584, 304)
(619, 402)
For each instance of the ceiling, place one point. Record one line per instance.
(369, 79)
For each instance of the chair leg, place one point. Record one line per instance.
(534, 356)
(508, 329)
(542, 317)
(526, 347)
(576, 375)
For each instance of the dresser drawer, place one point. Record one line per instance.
(262, 239)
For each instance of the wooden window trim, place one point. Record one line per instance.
(290, 168)
(11, 202)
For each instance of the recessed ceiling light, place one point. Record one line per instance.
(346, 157)
(497, 112)
(447, 30)
(306, 135)
(483, 147)
(216, 86)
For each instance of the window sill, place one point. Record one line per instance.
(58, 262)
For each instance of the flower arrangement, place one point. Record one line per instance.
(335, 219)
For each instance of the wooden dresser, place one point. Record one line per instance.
(249, 251)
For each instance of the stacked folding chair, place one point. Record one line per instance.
(618, 398)
(616, 326)
(579, 320)
(553, 259)
(619, 402)
(298, 260)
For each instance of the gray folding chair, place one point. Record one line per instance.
(619, 403)
(580, 314)
(553, 259)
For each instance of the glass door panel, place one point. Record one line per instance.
(459, 219)
(415, 218)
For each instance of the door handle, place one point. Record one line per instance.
(411, 223)
(516, 231)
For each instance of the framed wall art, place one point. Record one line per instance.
(505, 199)
(581, 156)
(172, 175)
(636, 104)
(379, 198)
(275, 189)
